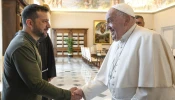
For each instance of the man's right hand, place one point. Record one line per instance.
(79, 92)
(75, 96)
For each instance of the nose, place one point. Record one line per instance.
(108, 27)
(48, 25)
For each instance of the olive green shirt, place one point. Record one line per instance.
(22, 78)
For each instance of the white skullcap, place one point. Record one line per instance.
(124, 8)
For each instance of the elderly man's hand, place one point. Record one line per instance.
(75, 96)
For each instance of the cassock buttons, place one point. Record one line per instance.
(110, 76)
(117, 46)
(121, 46)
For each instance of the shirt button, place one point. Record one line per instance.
(113, 91)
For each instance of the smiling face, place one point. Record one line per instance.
(41, 24)
(115, 23)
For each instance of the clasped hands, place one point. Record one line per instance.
(76, 93)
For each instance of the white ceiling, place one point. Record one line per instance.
(145, 6)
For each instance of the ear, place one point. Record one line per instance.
(29, 23)
(127, 19)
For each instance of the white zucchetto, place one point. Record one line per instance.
(124, 8)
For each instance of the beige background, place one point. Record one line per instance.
(153, 21)
(85, 20)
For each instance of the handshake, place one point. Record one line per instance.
(76, 93)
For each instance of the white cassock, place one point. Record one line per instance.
(140, 66)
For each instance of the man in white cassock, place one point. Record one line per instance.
(139, 64)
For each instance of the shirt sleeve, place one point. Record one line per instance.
(27, 66)
(93, 88)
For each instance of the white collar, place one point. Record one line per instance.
(127, 34)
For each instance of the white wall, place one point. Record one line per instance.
(85, 20)
(149, 20)
(164, 18)
(76, 20)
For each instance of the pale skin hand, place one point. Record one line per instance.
(73, 95)
(79, 92)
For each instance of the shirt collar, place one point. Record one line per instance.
(128, 33)
(28, 36)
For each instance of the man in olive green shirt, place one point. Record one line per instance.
(22, 78)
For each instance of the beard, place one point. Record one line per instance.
(37, 31)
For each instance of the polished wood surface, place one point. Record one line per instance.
(11, 20)
(58, 36)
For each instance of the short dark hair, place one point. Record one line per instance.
(30, 12)
(138, 16)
